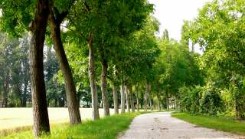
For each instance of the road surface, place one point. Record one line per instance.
(162, 126)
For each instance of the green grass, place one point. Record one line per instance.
(105, 128)
(226, 124)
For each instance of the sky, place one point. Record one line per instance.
(172, 13)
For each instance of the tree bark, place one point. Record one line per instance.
(104, 86)
(137, 102)
(72, 101)
(38, 29)
(127, 98)
(146, 96)
(5, 90)
(159, 102)
(131, 98)
(115, 99)
(95, 111)
(25, 64)
(24, 96)
(122, 98)
(167, 100)
(151, 104)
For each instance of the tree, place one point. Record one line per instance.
(7, 62)
(55, 90)
(18, 24)
(55, 19)
(16, 16)
(25, 75)
(134, 64)
(103, 32)
(38, 29)
(14, 79)
(176, 67)
(218, 29)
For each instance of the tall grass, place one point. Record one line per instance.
(105, 128)
(226, 124)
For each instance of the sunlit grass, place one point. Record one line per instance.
(105, 128)
(220, 123)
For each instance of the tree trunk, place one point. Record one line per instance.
(192, 47)
(127, 98)
(131, 98)
(122, 99)
(104, 86)
(25, 64)
(5, 91)
(167, 101)
(24, 96)
(72, 101)
(95, 111)
(115, 99)
(159, 102)
(137, 102)
(151, 104)
(146, 96)
(39, 103)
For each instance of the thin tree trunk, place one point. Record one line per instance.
(104, 87)
(19, 94)
(131, 99)
(122, 99)
(95, 111)
(137, 102)
(24, 97)
(192, 47)
(115, 99)
(137, 98)
(159, 102)
(39, 103)
(5, 91)
(167, 100)
(151, 104)
(127, 98)
(72, 100)
(150, 97)
(146, 96)
(25, 64)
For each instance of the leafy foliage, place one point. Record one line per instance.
(219, 30)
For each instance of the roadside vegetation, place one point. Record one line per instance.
(105, 128)
(227, 124)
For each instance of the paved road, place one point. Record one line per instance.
(162, 126)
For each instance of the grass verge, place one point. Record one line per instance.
(219, 123)
(105, 128)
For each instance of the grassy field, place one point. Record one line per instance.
(106, 128)
(220, 123)
(12, 118)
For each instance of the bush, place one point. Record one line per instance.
(211, 102)
(203, 100)
(190, 99)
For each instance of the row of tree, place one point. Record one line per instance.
(14, 74)
(100, 29)
(219, 30)
(115, 59)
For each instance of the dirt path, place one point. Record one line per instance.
(162, 126)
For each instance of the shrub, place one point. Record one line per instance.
(211, 102)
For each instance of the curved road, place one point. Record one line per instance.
(161, 125)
